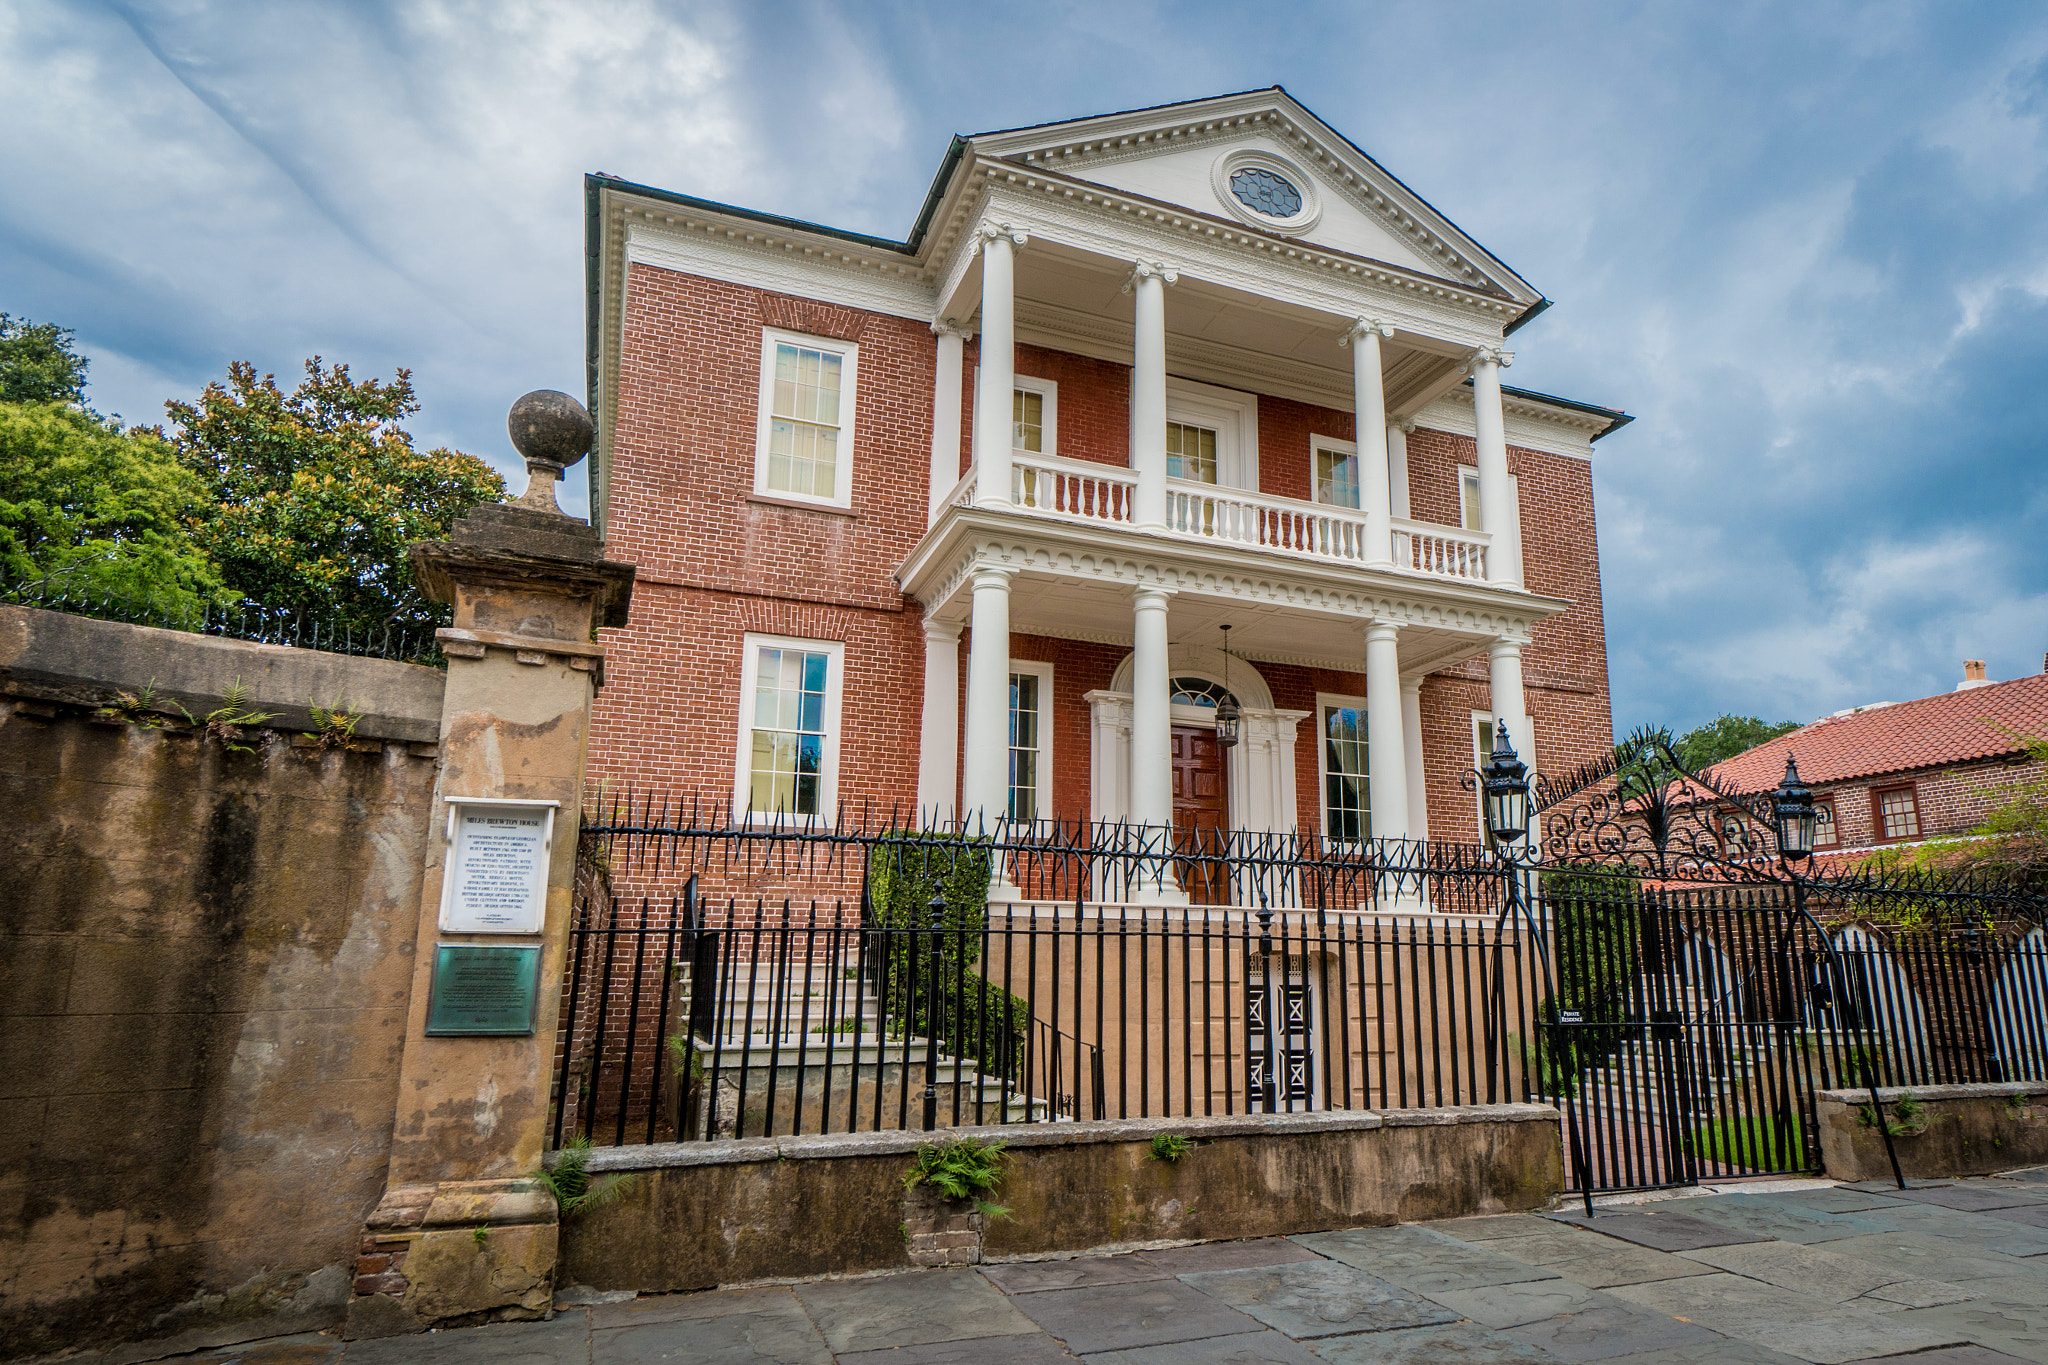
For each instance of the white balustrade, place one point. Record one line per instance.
(1072, 488)
(1232, 514)
(1078, 490)
(1440, 551)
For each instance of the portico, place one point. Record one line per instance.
(1160, 552)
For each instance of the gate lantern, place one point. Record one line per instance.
(1797, 816)
(1506, 780)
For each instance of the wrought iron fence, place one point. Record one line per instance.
(738, 978)
(245, 620)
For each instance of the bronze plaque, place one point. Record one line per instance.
(483, 990)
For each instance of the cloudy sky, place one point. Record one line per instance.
(1803, 243)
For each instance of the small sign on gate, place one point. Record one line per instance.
(1569, 1017)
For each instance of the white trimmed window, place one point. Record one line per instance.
(1343, 761)
(1333, 471)
(1030, 740)
(788, 760)
(1468, 498)
(1034, 415)
(1212, 435)
(805, 446)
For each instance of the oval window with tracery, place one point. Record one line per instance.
(1199, 692)
(1266, 192)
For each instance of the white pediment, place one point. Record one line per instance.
(1263, 160)
(1201, 179)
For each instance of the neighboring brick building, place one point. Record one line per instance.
(1178, 311)
(1896, 774)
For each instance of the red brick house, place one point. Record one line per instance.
(958, 522)
(1896, 774)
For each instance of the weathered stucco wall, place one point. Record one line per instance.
(1957, 1130)
(205, 967)
(707, 1213)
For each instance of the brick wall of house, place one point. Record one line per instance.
(1951, 800)
(716, 563)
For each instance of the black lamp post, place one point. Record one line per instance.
(1505, 780)
(1228, 721)
(1797, 817)
(1798, 820)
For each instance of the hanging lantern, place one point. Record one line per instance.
(1228, 720)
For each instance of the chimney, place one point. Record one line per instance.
(1973, 675)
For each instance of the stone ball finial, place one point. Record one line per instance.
(550, 430)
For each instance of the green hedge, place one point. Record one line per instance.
(976, 1019)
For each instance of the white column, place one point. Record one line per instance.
(945, 417)
(1507, 701)
(1369, 426)
(1148, 281)
(1387, 765)
(1397, 469)
(994, 418)
(1496, 502)
(938, 745)
(1411, 748)
(985, 793)
(1151, 711)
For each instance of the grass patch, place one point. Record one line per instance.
(1758, 1141)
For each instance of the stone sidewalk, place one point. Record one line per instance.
(1943, 1273)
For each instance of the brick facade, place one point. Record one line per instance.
(715, 561)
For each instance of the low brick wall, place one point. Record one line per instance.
(708, 1213)
(1962, 1130)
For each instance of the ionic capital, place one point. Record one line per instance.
(1366, 327)
(984, 233)
(943, 632)
(947, 327)
(1150, 270)
(1488, 355)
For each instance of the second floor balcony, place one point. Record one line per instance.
(1081, 491)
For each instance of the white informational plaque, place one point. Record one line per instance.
(495, 880)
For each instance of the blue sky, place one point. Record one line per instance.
(1804, 244)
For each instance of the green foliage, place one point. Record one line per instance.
(336, 725)
(1170, 1147)
(137, 708)
(314, 497)
(2013, 840)
(38, 364)
(684, 1058)
(962, 1168)
(975, 1018)
(1757, 1141)
(1595, 958)
(1909, 1116)
(1726, 736)
(229, 721)
(100, 510)
(482, 1236)
(570, 1182)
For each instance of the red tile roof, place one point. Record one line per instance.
(1955, 727)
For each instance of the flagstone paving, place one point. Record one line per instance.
(1943, 1273)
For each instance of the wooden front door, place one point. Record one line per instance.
(1201, 813)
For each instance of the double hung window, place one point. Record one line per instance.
(806, 423)
(788, 747)
(1030, 740)
(1347, 803)
(1190, 452)
(1336, 475)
